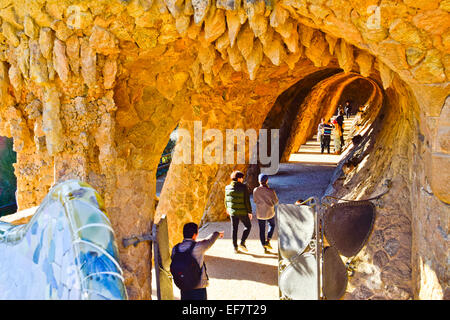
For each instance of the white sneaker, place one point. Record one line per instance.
(243, 247)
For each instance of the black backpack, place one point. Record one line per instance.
(185, 270)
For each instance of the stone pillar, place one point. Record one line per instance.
(130, 147)
(186, 187)
(431, 209)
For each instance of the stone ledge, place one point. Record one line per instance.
(20, 217)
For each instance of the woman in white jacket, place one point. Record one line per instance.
(265, 199)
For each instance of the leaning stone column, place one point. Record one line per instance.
(186, 188)
(190, 189)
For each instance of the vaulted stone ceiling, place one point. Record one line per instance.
(93, 89)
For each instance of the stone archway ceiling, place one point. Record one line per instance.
(406, 41)
(101, 43)
(260, 29)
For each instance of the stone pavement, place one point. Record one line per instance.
(244, 276)
(310, 152)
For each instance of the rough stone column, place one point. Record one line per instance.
(188, 186)
(185, 189)
(130, 146)
(430, 221)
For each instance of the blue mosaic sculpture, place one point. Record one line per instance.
(66, 251)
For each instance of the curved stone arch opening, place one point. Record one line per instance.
(218, 177)
(394, 108)
(285, 109)
(322, 102)
(356, 98)
(71, 79)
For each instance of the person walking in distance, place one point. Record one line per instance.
(348, 109)
(188, 267)
(360, 115)
(337, 137)
(327, 128)
(238, 207)
(320, 131)
(265, 199)
(340, 121)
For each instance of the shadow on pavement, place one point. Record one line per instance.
(225, 268)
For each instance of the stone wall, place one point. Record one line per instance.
(392, 264)
(93, 89)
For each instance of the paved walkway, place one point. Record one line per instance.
(254, 275)
(310, 152)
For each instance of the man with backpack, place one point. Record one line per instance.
(188, 266)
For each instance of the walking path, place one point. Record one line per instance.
(254, 275)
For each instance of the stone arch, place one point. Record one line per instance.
(353, 93)
(321, 103)
(75, 78)
(280, 117)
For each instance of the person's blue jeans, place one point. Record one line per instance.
(262, 230)
(195, 294)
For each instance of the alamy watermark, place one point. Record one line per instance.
(75, 16)
(234, 146)
(374, 20)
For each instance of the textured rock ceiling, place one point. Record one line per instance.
(92, 90)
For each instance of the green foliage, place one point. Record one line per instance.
(8, 182)
(166, 157)
(170, 146)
